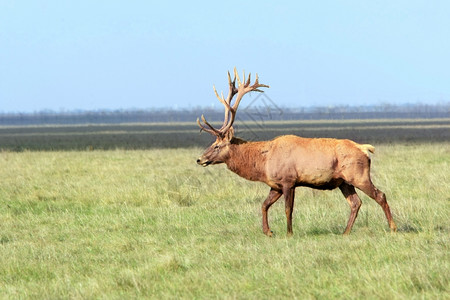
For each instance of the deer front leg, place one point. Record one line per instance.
(274, 195)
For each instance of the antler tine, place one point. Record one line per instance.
(236, 75)
(201, 126)
(212, 130)
(257, 85)
(231, 92)
(221, 99)
(248, 80)
(231, 84)
(226, 102)
(232, 88)
(209, 125)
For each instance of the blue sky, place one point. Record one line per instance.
(68, 55)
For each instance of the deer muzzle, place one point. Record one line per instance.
(203, 162)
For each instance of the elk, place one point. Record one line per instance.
(289, 161)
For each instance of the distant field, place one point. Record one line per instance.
(166, 135)
(153, 224)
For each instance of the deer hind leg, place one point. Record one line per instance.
(274, 195)
(354, 202)
(374, 193)
(289, 195)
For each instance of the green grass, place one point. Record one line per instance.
(153, 224)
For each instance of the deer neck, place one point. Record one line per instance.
(247, 159)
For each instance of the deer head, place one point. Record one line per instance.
(218, 151)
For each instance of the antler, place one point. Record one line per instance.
(242, 89)
(226, 102)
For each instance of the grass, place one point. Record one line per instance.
(153, 224)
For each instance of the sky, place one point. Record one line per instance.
(108, 55)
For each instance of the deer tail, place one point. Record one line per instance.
(366, 148)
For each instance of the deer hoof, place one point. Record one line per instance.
(269, 233)
(393, 228)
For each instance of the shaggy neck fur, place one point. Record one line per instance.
(247, 159)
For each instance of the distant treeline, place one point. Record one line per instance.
(265, 111)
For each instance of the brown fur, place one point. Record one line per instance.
(290, 161)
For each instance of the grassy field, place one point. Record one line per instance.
(152, 224)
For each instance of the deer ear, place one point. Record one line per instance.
(229, 134)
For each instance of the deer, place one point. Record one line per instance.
(290, 161)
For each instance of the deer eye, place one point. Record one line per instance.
(216, 147)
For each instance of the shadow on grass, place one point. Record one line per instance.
(404, 228)
(317, 231)
(409, 228)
